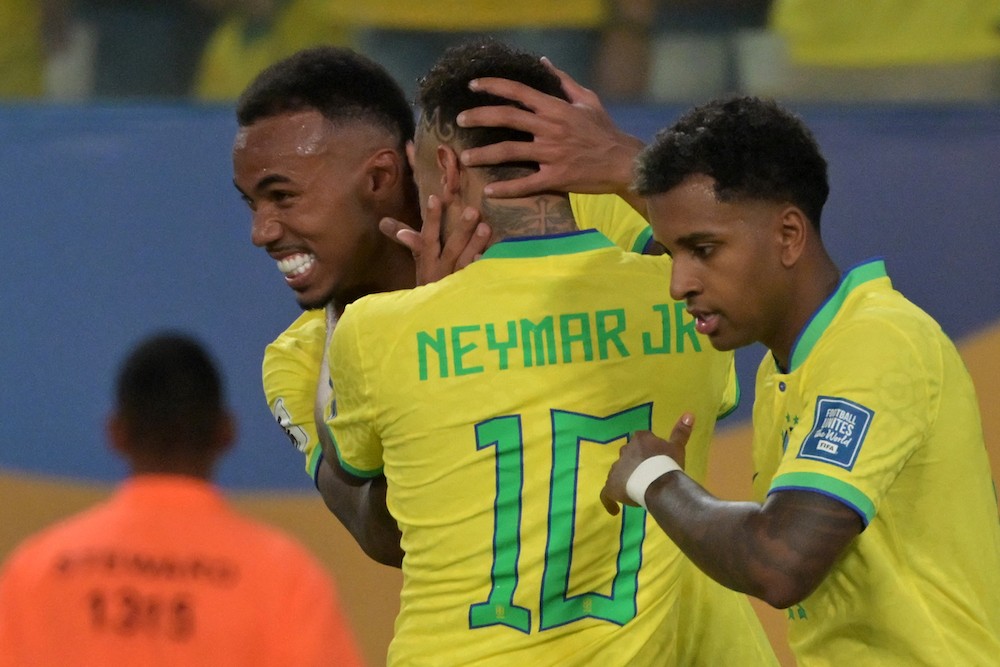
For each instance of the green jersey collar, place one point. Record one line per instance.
(543, 246)
(854, 278)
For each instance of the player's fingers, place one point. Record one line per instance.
(499, 153)
(389, 226)
(431, 228)
(475, 247)
(506, 151)
(682, 430)
(401, 233)
(503, 115)
(610, 505)
(459, 237)
(574, 91)
(412, 240)
(511, 90)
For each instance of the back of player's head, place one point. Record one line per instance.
(338, 82)
(444, 93)
(752, 148)
(170, 396)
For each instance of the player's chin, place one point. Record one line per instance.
(309, 301)
(725, 341)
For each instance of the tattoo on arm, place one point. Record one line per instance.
(779, 552)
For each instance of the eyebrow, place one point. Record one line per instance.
(269, 180)
(264, 183)
(695, 237)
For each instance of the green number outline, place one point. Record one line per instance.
(570, 430)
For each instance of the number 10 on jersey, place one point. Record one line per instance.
(571, 431)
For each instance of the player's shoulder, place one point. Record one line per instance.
(302, 331)
(614, 217)
(884, 318)
(659, 265)
(397, 305)
(303, 340)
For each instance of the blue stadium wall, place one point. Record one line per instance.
(120, 220)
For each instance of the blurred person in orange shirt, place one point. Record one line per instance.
(165, 572)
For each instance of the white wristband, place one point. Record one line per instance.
(645, 474)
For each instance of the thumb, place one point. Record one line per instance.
(401, 233)
(610, 505)
(682, 430)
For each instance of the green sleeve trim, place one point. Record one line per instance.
(828, 486)
(736, 403)
(357, 472)
(312, 463)
(641, 241)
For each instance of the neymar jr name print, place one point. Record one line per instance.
(564, 338)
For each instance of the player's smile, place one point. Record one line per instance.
(297, 269)
(309, 186)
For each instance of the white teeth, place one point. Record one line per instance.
(295, 265)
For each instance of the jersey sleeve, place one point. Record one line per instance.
(290, 372)
(351, 421)
(614, 217)
(866, 411)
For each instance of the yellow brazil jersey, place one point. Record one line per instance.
(292, 362)
(290, 372)
(878, 411)
(614, 217)
(495, 401)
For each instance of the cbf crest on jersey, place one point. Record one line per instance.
(839, 430)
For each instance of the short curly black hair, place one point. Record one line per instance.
(444, 93)
(336, 81)
(753, 149)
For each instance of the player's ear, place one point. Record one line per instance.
(451, 171)
(794, 229)
(386, 168)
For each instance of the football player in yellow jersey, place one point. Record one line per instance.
(875, 521)
(319, 158)
(491, 398)
(291, 367)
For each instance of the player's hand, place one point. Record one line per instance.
(466, 241)
(641, 446)
(576, 143)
